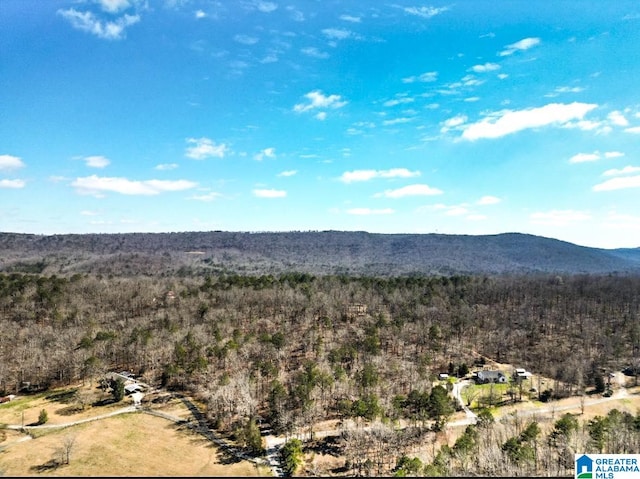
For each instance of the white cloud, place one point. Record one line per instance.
(204, 148)
(613, 154)
(425, 12)
(396, 121)
(350, 18)
(521, 45)
(200, 14)
(266, 153)
(10, 162)
(399, 101)
(269, 193)
(369, 211)
(618, 118)
(423, 78)
(317, 99)
(88, 22)
(558, 217)
(622, 171)
(13, 184)
(288, 173)
(166, 166)
(366, 175)
(245, 39)
(487, 67)
(453, 122)
(337, 33)
(502, 76)
(619, 183)
(96, 185)
(488, 200)
(585, 157)
(321, 116)
(314, 52)
(456, 211)
(207, 197)
(96, 161)
(569, 89)
(266, 7)
(114, 6)
(635, 129)
(89, 213)
(505, 122)
(410, 190)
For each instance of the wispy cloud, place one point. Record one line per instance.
(266, 7)
(397, 121)
(97, 186)
(12, 184)
(366, 175)
(114, 6)
(337, 33)
(369, 211)
(204, 148)
(619, 183)
(558, 217)
(10, 162)
(106, 29)
(318, 100)
(314, 52)
(96, 161)
(166, 166)
(350, 18)
(246, 39)
(453, 210)
(584, 157)
(266, 153)
(425, 12)
(206, 197)
(410, 190)
(424, 78)
(635, 129)
(200, 14)
(488, 200)
(288, 173)
(453, 123)
(269, 193)
(403, 100)
(506, 122)
(595, 156)
(487, 67)
(622, 171)
(521, 45)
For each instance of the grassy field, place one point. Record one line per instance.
(133, 444)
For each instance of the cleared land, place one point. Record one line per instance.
(132, 444)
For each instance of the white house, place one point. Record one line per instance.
(487, 376)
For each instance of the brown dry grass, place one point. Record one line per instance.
(132, 444)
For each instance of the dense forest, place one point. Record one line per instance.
(289, 350)
(315, 252)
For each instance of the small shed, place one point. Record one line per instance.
(132, 388)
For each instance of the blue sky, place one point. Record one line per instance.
(464, 117)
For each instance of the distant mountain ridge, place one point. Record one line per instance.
(315, 252)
